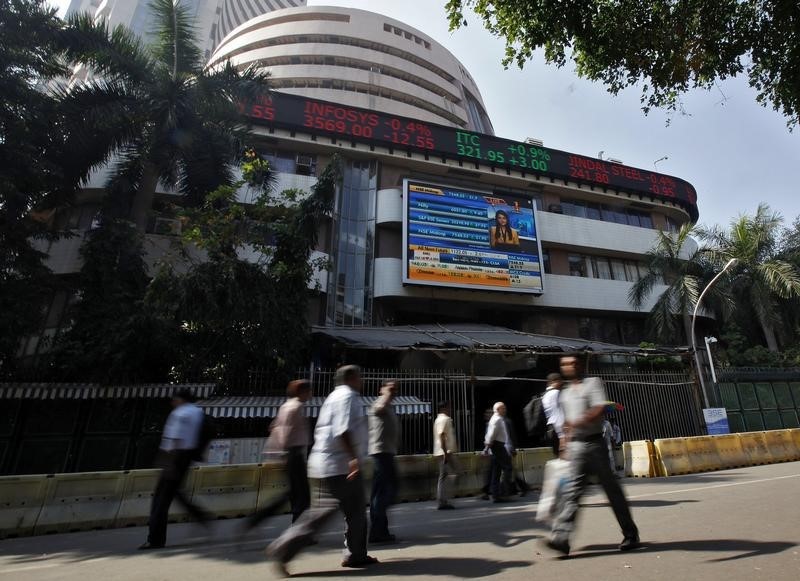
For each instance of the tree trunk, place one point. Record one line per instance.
(687, 328)
(769, 335)
(143, 199)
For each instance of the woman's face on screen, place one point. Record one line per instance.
(501, 219)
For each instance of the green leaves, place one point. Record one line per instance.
(667, 47)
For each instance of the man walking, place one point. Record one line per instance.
(340, 442)
(496, 441)
(179, 444)
(552, 410)
(384, 439)
(583, 402)
(289, 434)
(444, 448)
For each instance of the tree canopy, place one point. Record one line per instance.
(666, 47)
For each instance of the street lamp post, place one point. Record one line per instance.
(709, 341)
(728, 265)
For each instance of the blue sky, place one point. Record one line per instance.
(733, 151)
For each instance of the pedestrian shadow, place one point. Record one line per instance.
(454, 567)
(641, 503)
(744, 547)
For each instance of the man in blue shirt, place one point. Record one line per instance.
(179, 444)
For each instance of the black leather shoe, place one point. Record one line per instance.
(359, 563)
(148, 546)
(630, 543)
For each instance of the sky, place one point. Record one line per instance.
(735, 152)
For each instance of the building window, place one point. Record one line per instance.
(351, 280)
(672, 225)
(606, 213)
(601, 268)
(546, 261)
(577, 265)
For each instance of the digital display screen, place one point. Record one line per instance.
(470, 239)
(315, 116)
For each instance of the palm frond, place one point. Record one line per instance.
(113, 54)
(174, 44)
(781, 278)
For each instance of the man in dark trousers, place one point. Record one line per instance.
(289, 435)
(179, 446)
(384, 440)
(496, 440)
(583, 401)
(340, 444)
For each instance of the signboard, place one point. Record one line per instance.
(716, 421)
(462, 238)
(373, 127)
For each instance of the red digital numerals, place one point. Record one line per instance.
(334, 119)
(263, 109)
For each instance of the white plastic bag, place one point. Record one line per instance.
(556, 473)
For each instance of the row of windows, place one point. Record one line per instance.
(606, 268)
(340, 61)
(606, 213)
(322, 16)
(322, 39)
(367, 89)
(410, 36)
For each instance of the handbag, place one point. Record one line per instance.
(556, 474)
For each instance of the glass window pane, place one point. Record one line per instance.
(645, 221)
(618, 269)
(577, 266)
(602, 269)
(633, 218)
(593, 211)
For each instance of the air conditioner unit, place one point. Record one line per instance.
(304, 164)
(534, 141)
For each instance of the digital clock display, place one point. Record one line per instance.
(315, 116)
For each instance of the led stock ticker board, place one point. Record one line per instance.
(373, 127)
(470, 239)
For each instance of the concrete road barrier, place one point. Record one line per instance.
(21, 500)
(639, 459)
(754, 445)
(81, 501)
(781, 445)
(730, 452)
(137, 497)
(227, 491)
(703, 454)
(672, 457)
(416, 478)
(533, 461)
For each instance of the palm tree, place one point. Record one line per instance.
(677, 261)
(155, 111)
(761, 278)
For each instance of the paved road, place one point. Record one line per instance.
(738, 524)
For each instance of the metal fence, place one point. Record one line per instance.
(658, 404)
(430, 386)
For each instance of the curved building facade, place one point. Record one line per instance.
(358, 58)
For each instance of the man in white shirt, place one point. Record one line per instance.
(496, 440)
(179, 444)
(445, 446)
(340, 445)
(553, 412)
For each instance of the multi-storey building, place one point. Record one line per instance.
(213, 19)
(399, 108)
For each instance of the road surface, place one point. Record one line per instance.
(729, 525)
